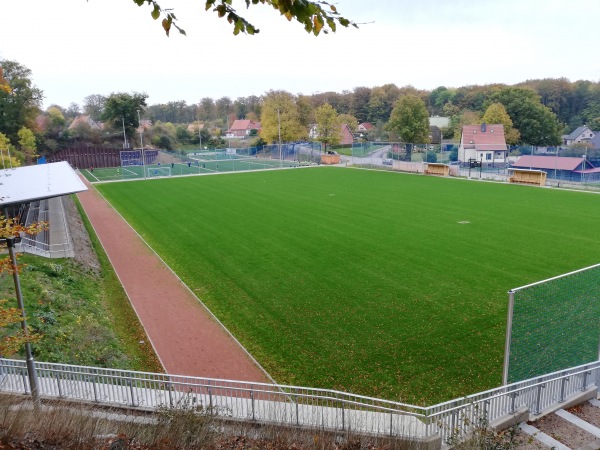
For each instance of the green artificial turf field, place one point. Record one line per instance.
(378, 283)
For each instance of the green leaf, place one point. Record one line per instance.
(139, 2)
(156, 12)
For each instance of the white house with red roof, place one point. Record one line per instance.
(242, 128)
(561, 167)
(365, 127)
(485, 143)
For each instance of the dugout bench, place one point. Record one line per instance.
(437, 169)
(527, 176)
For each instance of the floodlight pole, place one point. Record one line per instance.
(142, 144)
(31, 373)
(279, 132)
(125, 145)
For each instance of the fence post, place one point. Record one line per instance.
(95, 389)
(513, 399)
(57, 376)
(585, 375)
(562, 389)
(170, 389)
(343, 418)
(252, 398)
(539, 398)
(24, 381)
(130, 384)
(297, 411)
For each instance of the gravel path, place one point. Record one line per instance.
(187, 339)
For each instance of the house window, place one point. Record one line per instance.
(488, 156)
(492, 130)
(471, 141)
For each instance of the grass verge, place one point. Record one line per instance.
(82, 313)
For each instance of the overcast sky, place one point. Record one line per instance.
(76, 48)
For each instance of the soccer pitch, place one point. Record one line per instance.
(377, 283)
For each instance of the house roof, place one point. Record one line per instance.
(244, 124)
(474, 136)
(85, 119)
(367, 125)
(549, 162)
(576, 133)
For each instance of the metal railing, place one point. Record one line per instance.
(299, 406)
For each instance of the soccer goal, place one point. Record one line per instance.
(161, 171)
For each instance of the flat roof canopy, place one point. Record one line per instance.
(30, 183)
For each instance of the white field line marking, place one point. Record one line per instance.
(92, 174)
(579, 422)
(542, 437)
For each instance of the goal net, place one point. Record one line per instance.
(160, 171)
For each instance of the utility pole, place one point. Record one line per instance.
(279, 131)
(125, 145)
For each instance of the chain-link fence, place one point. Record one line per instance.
(553, 324)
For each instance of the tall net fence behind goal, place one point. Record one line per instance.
(553, 325)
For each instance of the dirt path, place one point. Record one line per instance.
(186, 338)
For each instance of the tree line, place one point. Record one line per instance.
(539, 111)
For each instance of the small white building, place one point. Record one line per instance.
(484, 143)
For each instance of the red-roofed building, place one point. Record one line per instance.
(242, 128)
(562, 167)
(346, 135)
(485, 143)
(365, 127)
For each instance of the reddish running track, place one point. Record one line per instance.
(187, 339)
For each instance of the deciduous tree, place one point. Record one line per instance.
(20, 100)
(349, 120)
(280, 115)
(27, 144)
(327, 125)
(410, 120)
(495, 113)
(537, 124)
(93, 105)
(315, 16)
(7, 153)
(121, 110)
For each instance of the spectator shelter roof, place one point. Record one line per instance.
(30, 183)
(572, 164)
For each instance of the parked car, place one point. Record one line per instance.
(387, 162)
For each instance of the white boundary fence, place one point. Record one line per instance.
(304, 407)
